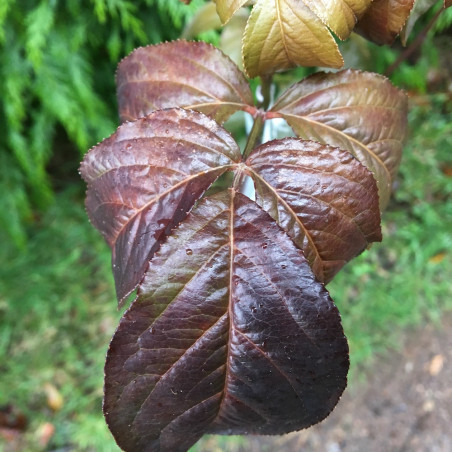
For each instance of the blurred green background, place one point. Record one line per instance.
(57, 304)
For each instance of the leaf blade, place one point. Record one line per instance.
(145, 178)
(324, 199)
(370, 122)
(284, 34)
(384, 20)
(201, 348)
(227, 8)
(192, 75)
(340, 16)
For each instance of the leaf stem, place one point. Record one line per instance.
(266, 83)
(259, 116)
(254, 134)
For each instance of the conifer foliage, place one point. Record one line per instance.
(57, 62)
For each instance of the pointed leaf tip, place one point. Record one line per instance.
(215, 331)
(227, 8)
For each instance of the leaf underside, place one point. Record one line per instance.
(227, 8)
(419, 8)
(192, 75)
(231, 333)
(356, 111)
(144, 179)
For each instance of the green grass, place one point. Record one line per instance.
(58, 311)
(405, 280)
(57, 314)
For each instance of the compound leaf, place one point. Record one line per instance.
(321, 196)
(360, 112)
(191, 75)
(230, 333)
(144, 179)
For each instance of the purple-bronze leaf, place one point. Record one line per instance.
(360, 112)
(384, 20)
(321, 196)
(144, 179)
(191, 75)
(231, 333)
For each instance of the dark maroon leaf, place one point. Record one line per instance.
(384, 20)
(230, 333)
(360, 112)
(321, 196)
(192, 75)
(145, 178)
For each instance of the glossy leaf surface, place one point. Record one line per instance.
(230, 333)
(321, 196)
(191, 75)
(356, 111)
(384, 20)
(283, 34)
(145, 178)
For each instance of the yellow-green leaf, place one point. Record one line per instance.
(232, 34)
(285, 34)
(227, 8)
(340, 15)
